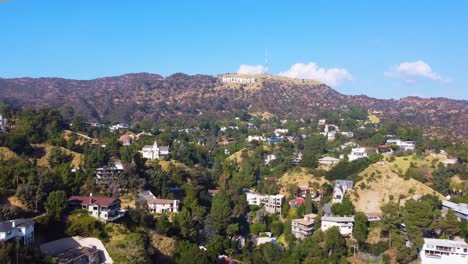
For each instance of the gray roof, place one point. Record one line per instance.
(6, 226)
(445, 242)
(461, 208)
(327, 209)
(339, 183)
(338, 218)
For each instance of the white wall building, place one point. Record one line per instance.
(303, 227)
(271, 203)
(340, 189)
(345, 224)
(357, 153)
(404, 145)
(328, 160)
(20, 229)
(256, 138)
(441, 251)
(154, 151)
(163, 206)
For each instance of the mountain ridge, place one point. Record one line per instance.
(137, 96)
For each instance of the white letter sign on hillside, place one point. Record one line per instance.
(238, 80)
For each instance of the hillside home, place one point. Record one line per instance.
(328, 160)
(348, 144)
(118, 127)
(461, 210)
(127, 140)
(156, 205)
(322, 122)
(447, 162)
(18, 229)
(270, 158)
(441, 251)
(296, 202)
(347, 134)
(404, 145)
(344, 223)
(77, 250)
(256, 138)
(100, 207)
(340, 189)
(303, 227)
(110, 173)
(357, 153)
(280, 131)
(154, 151)
(271, 203)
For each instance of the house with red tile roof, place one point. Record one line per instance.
(103, 208)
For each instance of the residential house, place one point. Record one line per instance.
(373, 216)
(270, 158)
(18, 229)
(348, 144)
(271, 203)
(118, 127)
(260, 240)
(163, 205)
(344, 223)
(127, 140)
(154, 151)
(328, 160)
(256, 138)
(322, 122)
(447, 162)
(77, 250)
(280, 131)
(156, 205)
(296, 202)
(461, 209)
(303, 227)
(441, 251)
(340, 189)
(357, 153)
(100, 207)
(347, 134)
(107, 174)
(404, 145)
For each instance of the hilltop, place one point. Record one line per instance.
(135, 97)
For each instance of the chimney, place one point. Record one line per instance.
(90, 198)
(13, 223)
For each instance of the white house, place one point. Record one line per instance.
(271, 203)
(163, 205)
(340, 189)
(447, 162)
(461, 210)
(347, 134)
(303, 227)
(118, 127)
(256, 138)
(154, 151)
(322, 122)
(270, 158)
(441, 251)
(19, 229)
(328, 160)
(100, 207)
(280, 131)
(156, 205)
(344, 223)
(404, 145)
(357, 153)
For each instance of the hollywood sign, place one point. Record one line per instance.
(238, 80)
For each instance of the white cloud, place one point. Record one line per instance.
(408, 71)
(252, 69)
(332, 76)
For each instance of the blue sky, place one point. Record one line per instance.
(384, 49)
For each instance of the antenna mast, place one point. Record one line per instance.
(265, 69)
